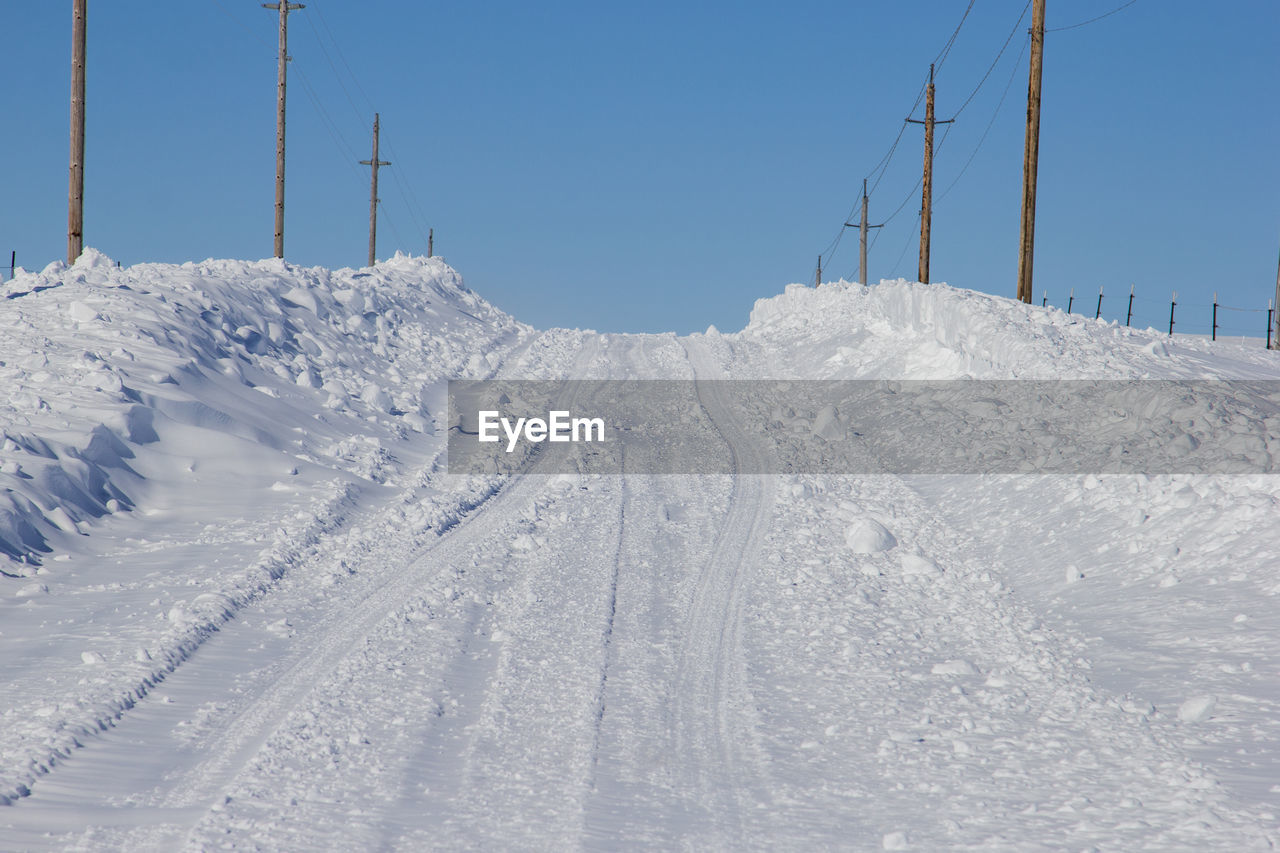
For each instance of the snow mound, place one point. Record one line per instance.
(869, 537)
(103, 362)
(238, 407)
(905, 330)
(1197, 709)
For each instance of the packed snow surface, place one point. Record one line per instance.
(244, 604)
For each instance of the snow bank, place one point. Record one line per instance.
(903, 330)
(232, 413)
(103, 361)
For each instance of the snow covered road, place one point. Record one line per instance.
(715, 662)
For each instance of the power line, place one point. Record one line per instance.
(333, 67)
(344, 148)
(830, 251)
(419, 221)
(1092, 20)
(889, 156)
(405, 191)
(881, 167)
(920, 180)
(990, 124)
(946, 49)
(883, 164)
(391, 221)
(412, 205)
(903, 253)
(340, 142)
(992, 67)
(343, 59)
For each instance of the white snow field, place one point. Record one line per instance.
(244, 605)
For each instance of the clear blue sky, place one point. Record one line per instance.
(659, 166)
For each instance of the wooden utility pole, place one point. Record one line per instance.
(1031, 155)
(862, 236)
(926, 198)
(1276, 337)
(373, 194)
(817, 281)
(284, 8)
(75, 189)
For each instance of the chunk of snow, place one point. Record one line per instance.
(1197, 709)
(376, 398)
(869, 537)
(416, 422)
(913, 564)
(895, 841)
(303, 298)
(81, 313)
(954, 667)
(827, 426)
(62, 520)
(353, 299)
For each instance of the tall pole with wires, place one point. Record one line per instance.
(75, 191)
(926, 197)
(862, 237)
(1276, 337)
(284, 8)
(374, 163)
(1031, 155)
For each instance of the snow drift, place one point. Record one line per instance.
(161, 403)
(101, 362)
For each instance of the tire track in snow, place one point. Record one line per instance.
(200, 789)
(512, 764)
(611, 613)
(711, 734)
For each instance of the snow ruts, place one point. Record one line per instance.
(712, 731)
(241, 738)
